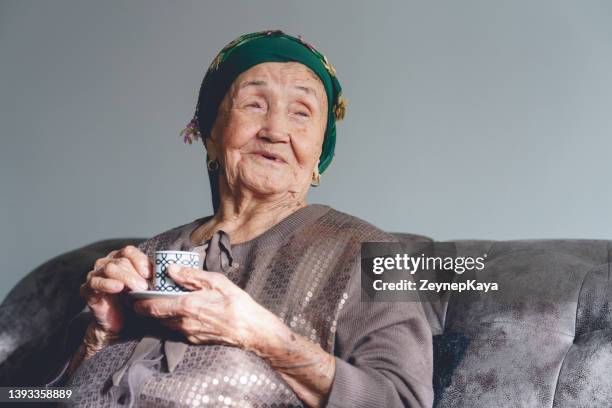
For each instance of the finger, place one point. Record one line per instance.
(85, 289)
(101, 262)
(91, 297)
(218, 280)
(139, 260)
(189, 278)
(91, 274)
(123, 271)
(160, 307)
(98, 269)
(106, 285)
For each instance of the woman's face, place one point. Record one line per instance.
(269, 131)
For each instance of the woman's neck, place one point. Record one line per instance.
(246, 216)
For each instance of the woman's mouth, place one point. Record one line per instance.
(269, 156)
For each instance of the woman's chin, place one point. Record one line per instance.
(267, 186)
(266, 180)
(269, 191)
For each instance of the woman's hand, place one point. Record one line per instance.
(217, 311)
(121, 270)
(125, 269)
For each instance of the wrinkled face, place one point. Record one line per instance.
(269, 131)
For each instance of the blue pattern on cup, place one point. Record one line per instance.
(163, 282)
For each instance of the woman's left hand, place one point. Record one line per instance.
(217, 311)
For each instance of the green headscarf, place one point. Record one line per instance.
(249, 50)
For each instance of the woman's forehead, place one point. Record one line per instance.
(283, 72)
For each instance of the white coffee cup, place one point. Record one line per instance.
(163, 282)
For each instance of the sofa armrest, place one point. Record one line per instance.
(39, 307)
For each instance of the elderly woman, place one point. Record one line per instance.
(274, 317)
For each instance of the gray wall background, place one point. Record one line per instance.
(471, 119)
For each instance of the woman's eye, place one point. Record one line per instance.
(303, 113)
(254, 105)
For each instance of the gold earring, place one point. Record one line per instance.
(316, 178)
(213, 165)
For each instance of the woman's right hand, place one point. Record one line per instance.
(122, 270)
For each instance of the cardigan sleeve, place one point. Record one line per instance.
(71, 340)
(383, 352)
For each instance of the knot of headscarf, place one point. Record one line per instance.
(155, 349)
(255, 48)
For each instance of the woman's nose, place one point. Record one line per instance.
(275, 127)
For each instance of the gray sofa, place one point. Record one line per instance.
(486, 353)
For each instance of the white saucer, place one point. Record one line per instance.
(149, 294)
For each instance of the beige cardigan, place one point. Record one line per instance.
(306, 270)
